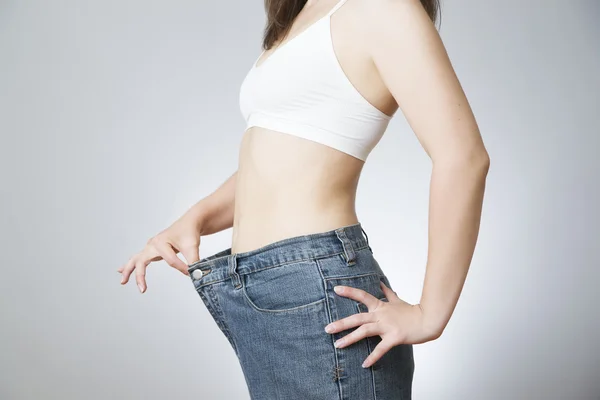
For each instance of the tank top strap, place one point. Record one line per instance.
(336, 7)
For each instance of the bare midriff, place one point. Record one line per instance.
(288, 186)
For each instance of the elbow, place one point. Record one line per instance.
(483, 161)
(476, 161)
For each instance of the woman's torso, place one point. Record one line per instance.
(289, 186)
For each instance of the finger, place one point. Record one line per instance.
(352, 321)
(357, 294)
(191, 255)
(168, 254)
(140, 275)
(359, 333)
(129, 267)
(122, 267)
(389, 293)
(382, 347)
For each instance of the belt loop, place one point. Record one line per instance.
(367, 238)
(235, 277)
(347, 245)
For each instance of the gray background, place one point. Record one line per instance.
(116, 116)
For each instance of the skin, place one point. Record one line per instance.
(394, 56)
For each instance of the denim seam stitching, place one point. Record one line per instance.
(278, 265)
(212, 282)
(221, 318)
(313, 258)
(351, 276)
(368, 342)
(211, 307)
(264, 310)
(356, 249)
(330, 320)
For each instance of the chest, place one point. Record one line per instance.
(297, 72)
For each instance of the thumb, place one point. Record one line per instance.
(191, 254)
(389, 293)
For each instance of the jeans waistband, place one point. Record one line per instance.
(225, 265)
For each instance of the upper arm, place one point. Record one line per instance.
(413, 63)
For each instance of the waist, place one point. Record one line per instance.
(344, 239)
(257, 231)
(286, 186)
(266, 211)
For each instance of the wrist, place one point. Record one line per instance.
(433, 323)
(197, 216)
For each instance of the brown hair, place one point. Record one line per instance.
(281, 14)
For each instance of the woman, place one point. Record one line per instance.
(316, 102)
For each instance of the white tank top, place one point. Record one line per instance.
(301, 90)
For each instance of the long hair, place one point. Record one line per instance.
(281, 14)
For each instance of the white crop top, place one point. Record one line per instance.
(301, 90)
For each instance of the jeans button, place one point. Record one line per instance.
(197, 274)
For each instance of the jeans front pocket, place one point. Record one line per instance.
(284, 288)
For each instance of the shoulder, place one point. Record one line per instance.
(392, 16)
(397, 30)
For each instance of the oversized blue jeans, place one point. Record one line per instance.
(273, 303)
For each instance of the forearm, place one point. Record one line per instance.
(456, 197)
(214, 213)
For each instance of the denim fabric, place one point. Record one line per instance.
(273, 303)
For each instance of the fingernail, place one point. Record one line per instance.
(329, 329)
(364, 364)
(338, 343)
(141, 288)
(338, 289)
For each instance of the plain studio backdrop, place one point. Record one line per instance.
(116, 116)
